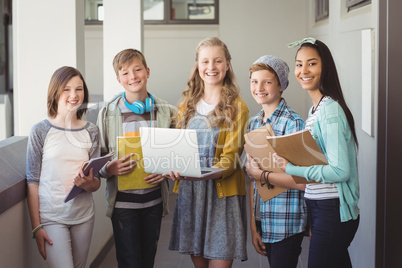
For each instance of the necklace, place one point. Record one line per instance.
(315, 109)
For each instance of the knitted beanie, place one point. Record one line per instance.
(280, 67)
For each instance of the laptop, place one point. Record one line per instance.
(168, 149)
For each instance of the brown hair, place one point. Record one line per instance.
(225, 110)
(57, 83)
(263, 66)
(126, 57)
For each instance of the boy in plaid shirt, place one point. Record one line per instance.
(283, 217)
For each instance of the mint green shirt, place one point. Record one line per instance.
(332, 133)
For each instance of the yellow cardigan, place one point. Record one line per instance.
(228, 151)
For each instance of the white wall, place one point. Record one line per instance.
(258, 27)
(44, 39)
(122, 28)
(170, 54)
(94, 59)
(342, 33)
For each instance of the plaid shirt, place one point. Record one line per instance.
(284, 215)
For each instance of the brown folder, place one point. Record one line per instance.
(258, 147)
(298, 148)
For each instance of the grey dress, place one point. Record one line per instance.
(203, 224)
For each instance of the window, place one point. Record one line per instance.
(353, 4)
(6, 49)
(100, 12)
(181, 11)
(321, 10)
(164, 11)
(93, 11)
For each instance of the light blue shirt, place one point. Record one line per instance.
(332, 133)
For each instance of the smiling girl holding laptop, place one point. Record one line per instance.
(209, 221)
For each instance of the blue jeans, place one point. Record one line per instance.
(285, 253)
(136, 235)
(330, 238)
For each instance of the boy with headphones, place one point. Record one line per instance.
(136, 214)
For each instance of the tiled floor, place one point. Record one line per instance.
(171, 259)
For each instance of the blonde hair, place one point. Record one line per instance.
(225, 110)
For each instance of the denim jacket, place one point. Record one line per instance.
(332, 133)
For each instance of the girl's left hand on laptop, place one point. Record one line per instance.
(175, 176)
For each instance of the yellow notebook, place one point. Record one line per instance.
(135, 179)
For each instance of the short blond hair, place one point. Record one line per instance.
(126, 57)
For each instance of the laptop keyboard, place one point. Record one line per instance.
(205, 171)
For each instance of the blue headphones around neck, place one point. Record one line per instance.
(138, 107)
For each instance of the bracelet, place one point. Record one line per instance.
(35, 230)
(269, 185)
(262, 176)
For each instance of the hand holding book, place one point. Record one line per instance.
(88, 183)
(121, 166)
(90, 167)
(298, 148)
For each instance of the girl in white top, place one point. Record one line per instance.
(57, 147)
